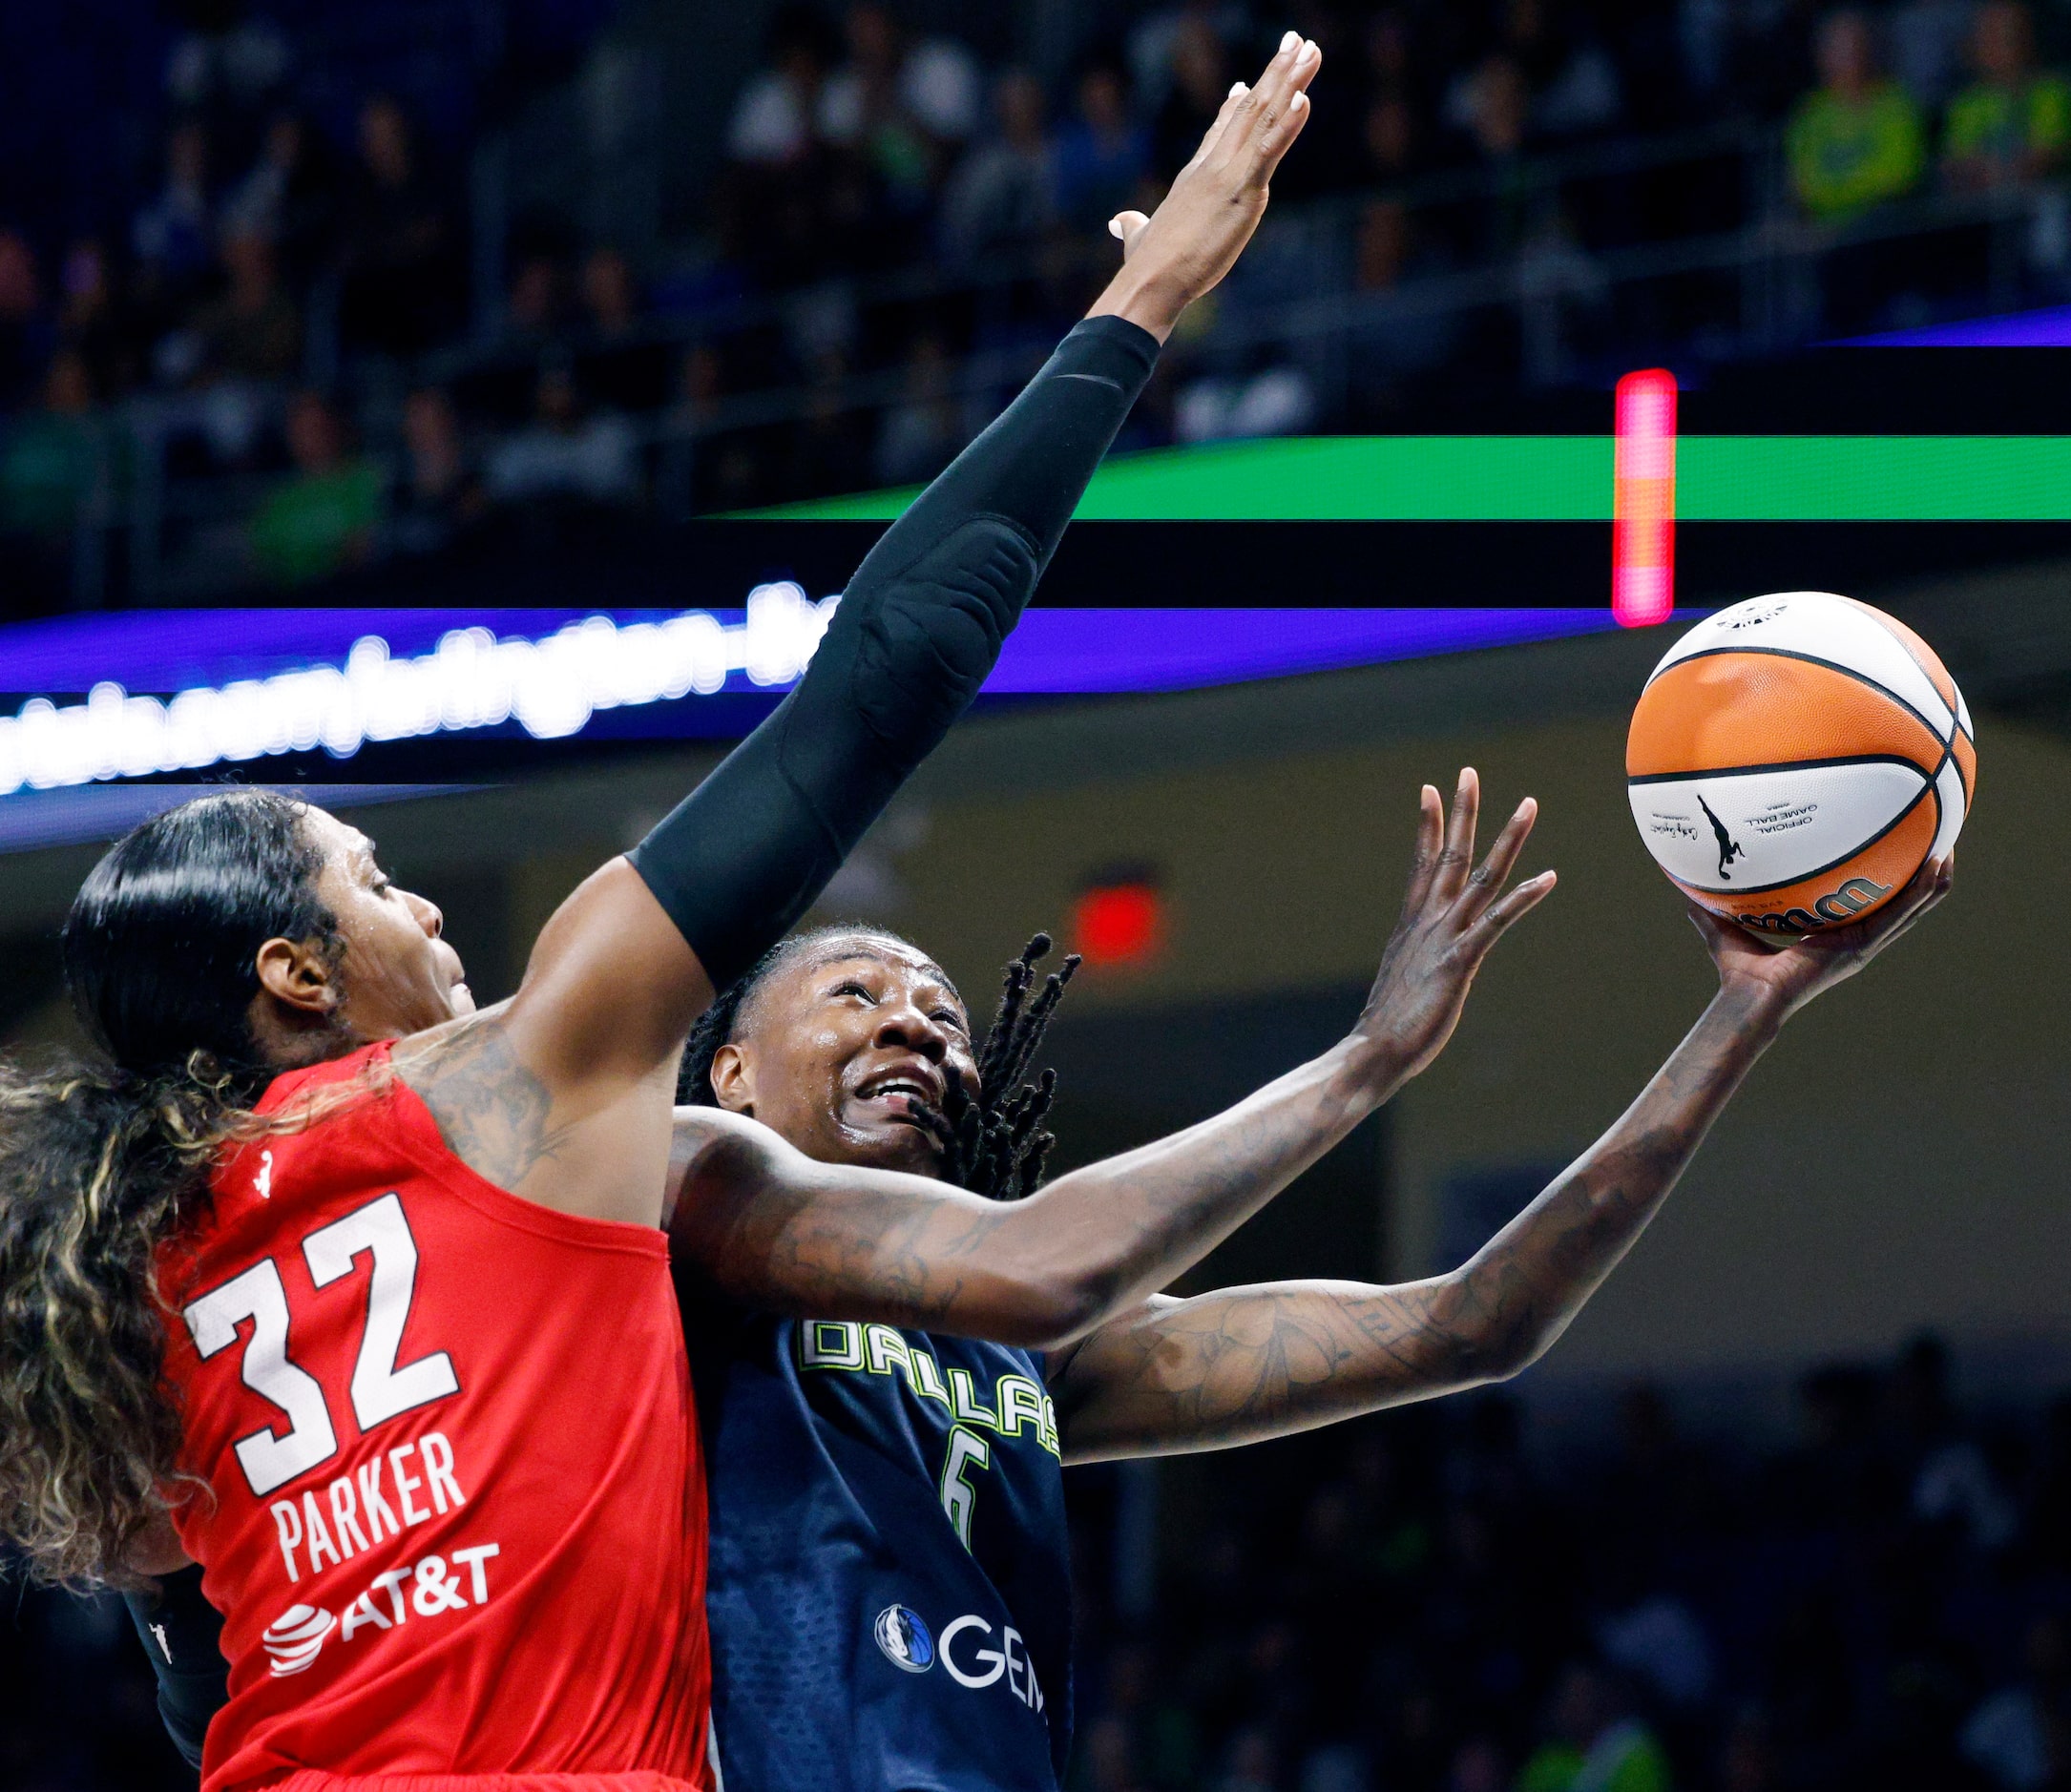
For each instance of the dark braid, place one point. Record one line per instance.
(996, 1146)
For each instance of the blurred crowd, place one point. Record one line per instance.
(1455, 1599)
(899, 227)
(1420, 1603)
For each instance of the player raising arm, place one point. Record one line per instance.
(899, 1481)
(1244, 1364)
(360, 1288)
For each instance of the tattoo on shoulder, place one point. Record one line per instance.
(493, 1112)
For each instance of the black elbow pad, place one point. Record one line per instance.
(928, 645)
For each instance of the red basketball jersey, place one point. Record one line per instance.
(456, 1514)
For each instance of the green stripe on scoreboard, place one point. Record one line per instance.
(1453, 478)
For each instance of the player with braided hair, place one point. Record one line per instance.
(885, 1489)
(890, 1571)
(247, 1242)
(992, 1144)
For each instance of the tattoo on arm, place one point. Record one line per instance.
(792, 1238)
(1245, 1363)
(494, 1113)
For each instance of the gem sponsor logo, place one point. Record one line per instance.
(982, 1666)
(966, 1649)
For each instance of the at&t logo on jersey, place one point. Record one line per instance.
(426, 1588)
(295, 1639)
(903, 1636)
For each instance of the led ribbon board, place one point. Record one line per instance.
(165, 692)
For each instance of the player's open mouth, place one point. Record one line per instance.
(896, 1092)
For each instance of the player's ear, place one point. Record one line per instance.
(298, 976)
(733, 1081)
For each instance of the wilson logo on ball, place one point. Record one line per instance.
(1795, 760)
(1857, 896)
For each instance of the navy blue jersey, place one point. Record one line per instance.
(890, 1586)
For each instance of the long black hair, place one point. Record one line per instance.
(105, 1158)
(996, 1145)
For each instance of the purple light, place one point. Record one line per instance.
(1061, 651)
(2047, 328)
(1083, 652)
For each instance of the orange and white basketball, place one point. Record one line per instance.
(1795, 760)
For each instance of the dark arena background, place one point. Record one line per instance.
(360, 361)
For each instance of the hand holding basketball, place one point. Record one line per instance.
(1793, 974)
(1795, 759)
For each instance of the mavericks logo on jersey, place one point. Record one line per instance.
(907, 1643)
(903, 1636)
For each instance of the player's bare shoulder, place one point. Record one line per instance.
(494, 1111)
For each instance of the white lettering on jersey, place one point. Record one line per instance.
(287, 1521)
(405, 1484)
(379, 1232)
(429, 1588)
(320, 1540)
(988, 1665)
(437, 1456)
(360, 1514)
(263, 1183)
(345, 1514)
(472, 1560)
(378, 1511)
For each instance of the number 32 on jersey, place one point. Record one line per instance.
(380, 1388)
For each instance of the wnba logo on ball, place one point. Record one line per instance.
(905, 1639)
(1836, 906)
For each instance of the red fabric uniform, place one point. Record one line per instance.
(457, 1524)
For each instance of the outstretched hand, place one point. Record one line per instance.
(1452, 913)
(1793, 974)
(1182, 249)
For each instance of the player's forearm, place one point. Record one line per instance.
(1245, 1363)
(1106, 1235)
(1504, 1307)
(774, 1230)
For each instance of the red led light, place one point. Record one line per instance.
(1118, 924)
(1643, 505)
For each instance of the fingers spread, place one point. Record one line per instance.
(1710, 928)
(1459, 839)
(1430, 836)
(1494, 871)
(1522, 901)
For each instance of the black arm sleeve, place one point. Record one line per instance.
(913, 637)
(181, 1633)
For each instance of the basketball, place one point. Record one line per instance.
(1795, 759)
